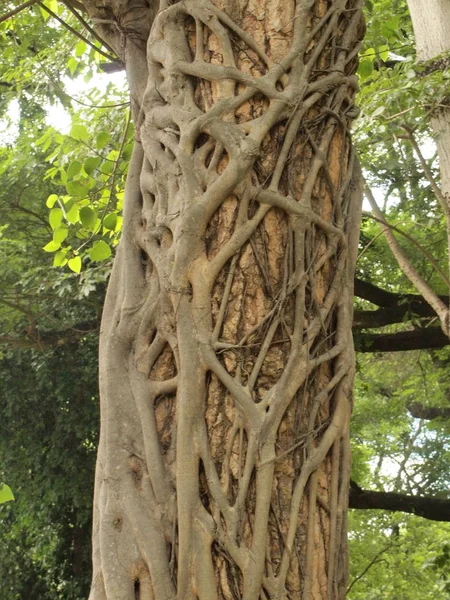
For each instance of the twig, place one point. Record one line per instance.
(75, 32)
(372, 562)
(19, 9)
(88, 27)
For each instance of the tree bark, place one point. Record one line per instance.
(226, 358)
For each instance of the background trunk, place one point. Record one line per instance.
(431, 23)
(226, 354)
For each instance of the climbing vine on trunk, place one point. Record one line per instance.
(226, 354)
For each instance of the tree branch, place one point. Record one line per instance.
(395, 306)
(408, 269)
(77, 33)
(417, 339)
(419, 411)
(16, 10)
(49, 339)
(370, 292)
(434, 509)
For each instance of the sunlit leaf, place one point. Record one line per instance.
(55, 217)
(100, 251)
(6, 494)
(74, 264)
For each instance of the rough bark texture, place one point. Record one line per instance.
(226, 354)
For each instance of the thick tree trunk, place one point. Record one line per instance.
(226, 354)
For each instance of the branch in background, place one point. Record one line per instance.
(372, 293)
(413, 241)
(408, 269)
(76, 4)
(417, 339)
(76, 33)
(419, 411)
(375, 560)
(428, 174)
(86, 25)
(395, 307)
(434, 509)
(41, 340)
(17, 10)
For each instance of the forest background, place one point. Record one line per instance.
(61, 197)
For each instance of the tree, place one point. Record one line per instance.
(90, 207)
(226, 358)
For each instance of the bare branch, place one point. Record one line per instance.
(434, 509)
(417, 339)
(405, 264)
(77, 33)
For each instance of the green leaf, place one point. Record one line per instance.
(107, 168)
(74, 169)
(55, 217)
(365, 68)
(6, 494)
(91, 163)
(383, 51)
(52, 246)
(73, 216)
(110, 221)
(60, 259)
(100, 251)
(87, 217)
(102, 139)
(51, 200)
(80, 48)
(76, 188)
(79, 132)
(72, 65)
(60, 234)
(75, 264)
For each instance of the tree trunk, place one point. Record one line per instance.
(226, 358)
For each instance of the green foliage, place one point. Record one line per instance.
(88, 171)
(48, 417)
(393, 557)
